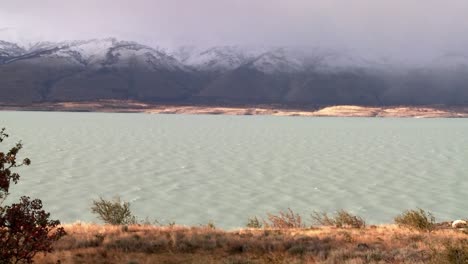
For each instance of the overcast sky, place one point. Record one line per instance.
(404, 27)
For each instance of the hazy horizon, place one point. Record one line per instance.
(403, 29)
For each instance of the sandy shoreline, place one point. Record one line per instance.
(112, 106)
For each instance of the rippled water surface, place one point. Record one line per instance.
(196, 169)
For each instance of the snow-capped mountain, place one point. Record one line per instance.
(119, 54)
(8, 50)
(114, 69)
(94, 53)
(112, 52)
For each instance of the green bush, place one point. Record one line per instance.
(416, 219)
(113, 212)
(211, 225)
(254, 223)
(341, 219)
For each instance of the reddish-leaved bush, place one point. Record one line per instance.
(25, 228)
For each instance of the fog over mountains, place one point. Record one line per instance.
(113, 69)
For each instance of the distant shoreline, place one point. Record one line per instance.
(116, 106)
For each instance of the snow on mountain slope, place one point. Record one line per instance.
(8, 49)
(280, 60)
(97, 53)
(130, 53)
(216, 59)
(269, 60)
(110, 52)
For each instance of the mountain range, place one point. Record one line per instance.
(88, 70)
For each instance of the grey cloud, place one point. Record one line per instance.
(397, 28)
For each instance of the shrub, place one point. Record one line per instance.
(284, 220)
(8, 161)
(416, 219)
(322, 219)
(342, 218)
(210, 225)
(254, 223)
(113, 212)
(25, 228)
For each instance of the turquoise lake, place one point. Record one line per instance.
(195, 169)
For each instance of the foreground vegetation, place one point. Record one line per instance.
(89, 243)
(284, 237)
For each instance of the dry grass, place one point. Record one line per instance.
(284, 220)
(341, 218)
(154, 244)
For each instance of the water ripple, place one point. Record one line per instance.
(195, 169)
